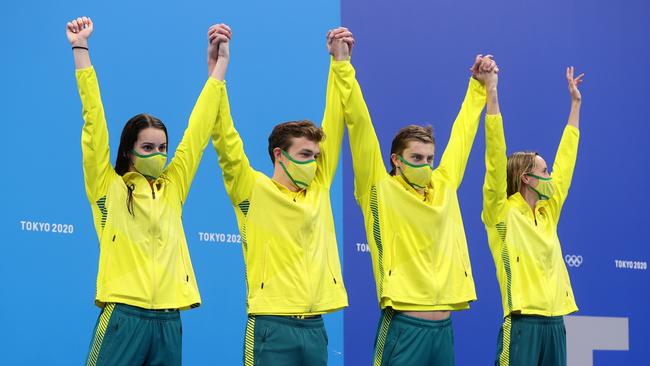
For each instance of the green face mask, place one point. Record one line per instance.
(301, 173)
(151, 166)
(418, 176)
(545, 188)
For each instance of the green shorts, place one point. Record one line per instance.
(529, 340)
(285, 340)
(404, 340)
(128, 335)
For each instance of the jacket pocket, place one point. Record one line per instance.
(107, 252)
(391, 350)
(329, 264)
(392, 262)
(259, 344)
(461, 258)
(325, 337)
(184, 273)
(265, 260)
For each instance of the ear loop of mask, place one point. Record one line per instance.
(543, 182)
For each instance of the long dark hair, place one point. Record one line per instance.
(129, 136)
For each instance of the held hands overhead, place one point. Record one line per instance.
(219, 36)
(485, 70)
(339, 43)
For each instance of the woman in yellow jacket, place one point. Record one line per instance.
(522, 203)
(145, 274)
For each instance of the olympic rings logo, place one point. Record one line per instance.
(573, 260)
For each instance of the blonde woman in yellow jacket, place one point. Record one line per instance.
(522, 202)
(145, 273)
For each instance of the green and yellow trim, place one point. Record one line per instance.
(504, 357)
(244, 206)
(382, 334)
(149, 155)
(249, 342)
(101, 204)
(98, 339)
(286, 154)
(401, 158)
(376, 233)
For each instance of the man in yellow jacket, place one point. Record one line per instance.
(414, 225)
(293, 273)
(522, 203)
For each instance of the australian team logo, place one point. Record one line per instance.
(573, 260)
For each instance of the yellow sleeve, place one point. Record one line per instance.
(98, 171)
(332, 125)
(186, 159)
(454, 159)
(366, 154)
(238, 176)
(563, 166)
(495, 187)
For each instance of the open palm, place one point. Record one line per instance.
(574, 83)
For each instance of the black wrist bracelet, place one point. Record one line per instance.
(80, 47)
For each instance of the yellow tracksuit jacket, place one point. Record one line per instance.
(526, 249)
(143, 260)
(418, 246)
(288, 238)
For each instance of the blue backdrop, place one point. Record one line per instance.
(150, 57)
(412, 60)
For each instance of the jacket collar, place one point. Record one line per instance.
(408, 187)
(137, 179)
(518, 201)
(287, 192)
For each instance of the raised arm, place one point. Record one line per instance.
(495, 185)
(78, 31)
(576, 97)
(565, 158)
(219, 36)
(238, 175)
(366, 154)
(97, 167)
(339, 45)
(183, 166)
(454, 159)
